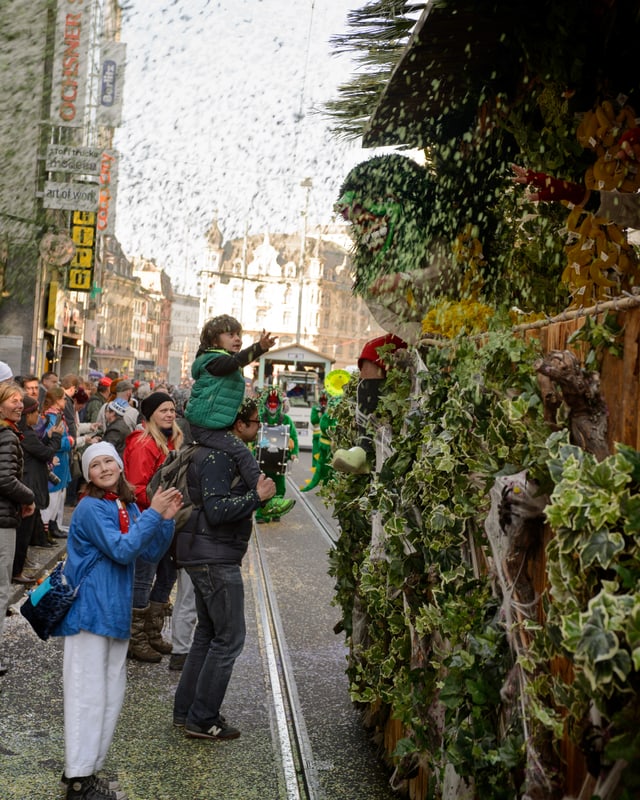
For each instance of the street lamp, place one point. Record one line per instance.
(306, 184)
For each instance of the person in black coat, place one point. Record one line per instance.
(38, 454)
(16, 498)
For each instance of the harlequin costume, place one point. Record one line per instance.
(272, 413)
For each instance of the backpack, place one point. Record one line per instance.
(173, 472)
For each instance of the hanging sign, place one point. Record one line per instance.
(78, 160)
(71, 196)
(70, 63)
(108, 181)
(83, 233)
(111, 84)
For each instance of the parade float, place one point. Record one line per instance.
(488, 567)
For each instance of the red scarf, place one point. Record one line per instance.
(123, 515)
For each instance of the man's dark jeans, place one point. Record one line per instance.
(217, 642)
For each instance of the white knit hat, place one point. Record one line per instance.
(6, 372)
(99, 449)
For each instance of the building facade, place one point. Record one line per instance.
(61, 76)
(264, 282)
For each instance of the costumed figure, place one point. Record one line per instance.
(277, 444)
(321, 454)
(397, 265)
(317, 411)
(373, 372)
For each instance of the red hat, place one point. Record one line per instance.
(370, 350)
(104, 382)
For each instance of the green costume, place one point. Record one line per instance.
(322, 457)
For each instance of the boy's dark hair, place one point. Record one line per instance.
(248, 409)
(125, 491)
(214, 327)
(22, 379)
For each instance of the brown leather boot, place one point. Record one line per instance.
(139, 647)
(154, 625)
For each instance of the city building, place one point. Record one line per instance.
(263, 281)
(61, 78)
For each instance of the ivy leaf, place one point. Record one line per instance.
(451, 692)
(630, 511)
(626, 746)
(632, 457)
(632, 632)
(597, 643)
(602, 546)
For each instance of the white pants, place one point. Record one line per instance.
(55, 510)
(94, 680)
(184, 616)
(7, 552)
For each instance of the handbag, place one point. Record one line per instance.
(48, 604)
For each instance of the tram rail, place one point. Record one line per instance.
(298, 766)
(320, 523)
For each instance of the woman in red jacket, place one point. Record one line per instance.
(145, 450)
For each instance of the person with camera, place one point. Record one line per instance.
(54, 404)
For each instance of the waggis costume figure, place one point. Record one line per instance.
(333, 390)
(314, 418)
(373, 373)
(274, 421)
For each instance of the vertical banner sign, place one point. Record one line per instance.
(111, 84)
(108, 183)
(71, 63)
(83, 233)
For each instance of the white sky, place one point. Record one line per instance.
(212, 124)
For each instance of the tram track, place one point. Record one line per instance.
(299, 776)
(320, 523)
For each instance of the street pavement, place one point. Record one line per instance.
(152, 759)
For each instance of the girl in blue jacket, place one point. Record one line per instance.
(106, 535)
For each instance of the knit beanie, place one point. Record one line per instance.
(99, 449)
(151, 403)
(118, 407)
(29, 404)
(5, 372)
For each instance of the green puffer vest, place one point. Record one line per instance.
(215, 399)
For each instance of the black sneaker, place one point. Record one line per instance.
(220, 730)
(91, 788)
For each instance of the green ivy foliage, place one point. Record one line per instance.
(593, 603)
(435, 645)
(427, 630)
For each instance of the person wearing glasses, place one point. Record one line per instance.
(218, 391)
(211, 547)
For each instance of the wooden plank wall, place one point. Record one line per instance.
(620, 386)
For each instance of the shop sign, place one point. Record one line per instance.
(71, 196)
(83, 233)
(78, 160)
(70, 63)
(111, 84)
(108, 180)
